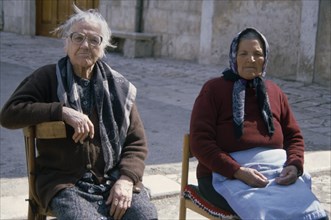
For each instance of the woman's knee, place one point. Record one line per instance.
(141, 208)
(70, 204)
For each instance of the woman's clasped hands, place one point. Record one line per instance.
(254, 178)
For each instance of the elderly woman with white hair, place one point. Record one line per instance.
(96, 172)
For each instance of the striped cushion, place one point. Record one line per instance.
(192, 193)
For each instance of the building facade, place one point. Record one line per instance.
(201, 31)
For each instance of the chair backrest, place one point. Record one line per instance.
(46, 130)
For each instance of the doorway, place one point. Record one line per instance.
(51, 13)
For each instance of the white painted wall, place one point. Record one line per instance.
(19, 16)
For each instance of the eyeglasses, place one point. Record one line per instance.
(79, 38)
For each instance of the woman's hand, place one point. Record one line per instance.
(288, 175)
(251, 177)
(120, 197)
(80, 122)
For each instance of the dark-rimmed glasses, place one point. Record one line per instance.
(79, 38)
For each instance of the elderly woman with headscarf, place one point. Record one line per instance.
(96, 172)
(248, 144)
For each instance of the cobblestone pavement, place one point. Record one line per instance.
(166, 92)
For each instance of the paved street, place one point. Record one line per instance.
(166, 92)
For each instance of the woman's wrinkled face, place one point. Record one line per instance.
(87, 52)
(250, 59)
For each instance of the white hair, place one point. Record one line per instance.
(91, 15)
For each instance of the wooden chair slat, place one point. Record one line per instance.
(51, 130)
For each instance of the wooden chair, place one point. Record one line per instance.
(47, 130)
(190, 196)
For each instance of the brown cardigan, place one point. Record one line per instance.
(62, 162)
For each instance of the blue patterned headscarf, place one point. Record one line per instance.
(234, 49)
(239, 88)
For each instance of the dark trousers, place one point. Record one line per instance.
(208, 191)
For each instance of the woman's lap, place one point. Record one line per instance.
(141, 207)
(295, 201)
(71, 203)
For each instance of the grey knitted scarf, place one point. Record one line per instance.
(114, 96)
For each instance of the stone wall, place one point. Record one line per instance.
(201, 30)
(323, 49)
(1, 15)
(178, 25)
(119, 14)
(19, 16)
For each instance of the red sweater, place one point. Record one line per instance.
(212, 133)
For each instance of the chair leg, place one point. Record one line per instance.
(31, 214)
(40, 217)
(34, 216)
(182, 209)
